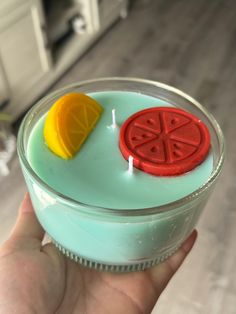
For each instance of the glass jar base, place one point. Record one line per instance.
(118, 268)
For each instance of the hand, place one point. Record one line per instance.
(36, 278)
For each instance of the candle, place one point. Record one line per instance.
(114, 125)
(131, 165)
(111, 218)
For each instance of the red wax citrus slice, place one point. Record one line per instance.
(164, 141)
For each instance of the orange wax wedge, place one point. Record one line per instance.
(68, 123)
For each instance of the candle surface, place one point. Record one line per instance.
(98, 175)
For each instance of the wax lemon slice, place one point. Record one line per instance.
(68, 123)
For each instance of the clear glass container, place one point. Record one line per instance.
(114, 239)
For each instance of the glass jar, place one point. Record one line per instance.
(115, 239)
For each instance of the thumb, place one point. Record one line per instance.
(27, 225)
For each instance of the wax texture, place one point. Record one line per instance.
(98, 175)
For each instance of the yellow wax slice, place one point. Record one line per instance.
(69, 122)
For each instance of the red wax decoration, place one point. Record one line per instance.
(164, 141)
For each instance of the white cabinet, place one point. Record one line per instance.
(41, 39)
(22, 51)
(4, 93)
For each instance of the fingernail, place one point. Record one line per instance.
(188, 244)
(26, 205)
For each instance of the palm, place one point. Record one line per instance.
(87, 290)
(47, 282)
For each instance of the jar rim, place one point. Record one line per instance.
(92, 209)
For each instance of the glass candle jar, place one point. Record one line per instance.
(110, 238)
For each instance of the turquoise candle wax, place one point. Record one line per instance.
(94, 209)
(98, 174)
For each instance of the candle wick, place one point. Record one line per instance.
(114, 125)
(131, 165)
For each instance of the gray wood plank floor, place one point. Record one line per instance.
(189, 44)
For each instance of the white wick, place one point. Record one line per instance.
(131, 165)
(113, 112)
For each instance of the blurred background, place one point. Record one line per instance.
(46, 44)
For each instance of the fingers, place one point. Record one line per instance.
(162, 273)
(27, 225)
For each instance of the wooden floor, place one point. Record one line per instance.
(192, 45)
